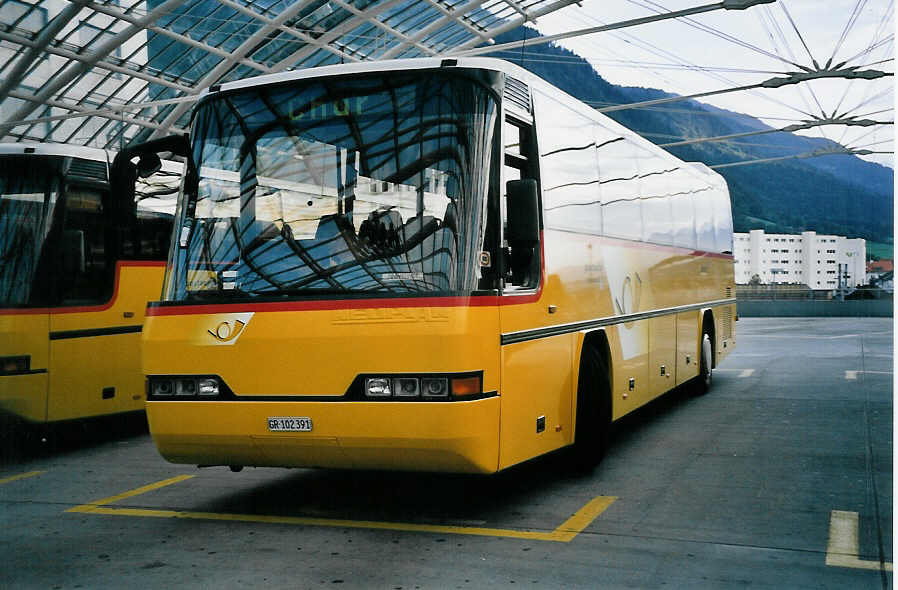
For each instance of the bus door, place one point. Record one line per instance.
(88, 352)
(536, 375)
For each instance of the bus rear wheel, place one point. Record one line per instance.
(593, 420)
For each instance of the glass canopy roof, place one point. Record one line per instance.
(107, 73)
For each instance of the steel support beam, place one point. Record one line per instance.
(465, 48)
(130, 72)
(108, 10)
(335, 34)
(589, 31)
(62, 79)
(454, 15)
(6, 126)
(39, 46)
(224, 67)
(290, 31)
(384, 27)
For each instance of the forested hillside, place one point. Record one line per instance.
(829, 194)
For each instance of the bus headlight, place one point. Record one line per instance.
(378, 387)
(419, 387)
(435, 387)
(186, 387)
(207, 387)
(406, 387)
(163, 387)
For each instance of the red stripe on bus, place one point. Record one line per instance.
(86, 308)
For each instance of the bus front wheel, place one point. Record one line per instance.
(593, 420)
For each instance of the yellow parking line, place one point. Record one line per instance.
(94, 506)
(20, 476)
(565, 533)
(842, 549)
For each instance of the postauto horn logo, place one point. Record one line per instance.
(226, 329)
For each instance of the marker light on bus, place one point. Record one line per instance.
(465, 386)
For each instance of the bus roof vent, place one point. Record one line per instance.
(517, 93)
(88, 169)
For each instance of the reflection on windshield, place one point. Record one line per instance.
(28, 191)
(372, 184)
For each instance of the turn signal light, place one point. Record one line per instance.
(466, 386)
(12, 365)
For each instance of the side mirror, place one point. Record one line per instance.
(148, 164)
(73, 259)
(523, 213)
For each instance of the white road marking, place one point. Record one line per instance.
(852, 375)
(842, 549)
(742, 372)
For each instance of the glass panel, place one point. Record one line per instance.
(683, 220)
(619, 185)
(723, 219)
(84, 218)
(704, 221)
(568, 168)
(655, 186)
(156, 197)
(374, 183)
(28, 193)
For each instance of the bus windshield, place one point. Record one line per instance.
(29, 187)
(373, 184)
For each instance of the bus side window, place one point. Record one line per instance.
(521, 262)
(86, 275)
(148, 234)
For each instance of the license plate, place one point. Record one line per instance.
(289, 424)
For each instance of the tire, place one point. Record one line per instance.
(706, 367)
(593, 421)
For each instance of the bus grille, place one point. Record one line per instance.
(728, 322)
(517, 93)
(88, 169)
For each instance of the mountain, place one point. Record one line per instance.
(837, 194)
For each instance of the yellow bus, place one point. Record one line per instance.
(76, 271)
(444, 265)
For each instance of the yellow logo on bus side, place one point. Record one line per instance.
(224, 332)
(225, 329)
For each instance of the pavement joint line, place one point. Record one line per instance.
(564, 533)
(852, 375)
(842, 548)
(743, 373)
(12, 478)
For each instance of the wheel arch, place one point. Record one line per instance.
(598, 340)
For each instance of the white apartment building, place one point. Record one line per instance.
(806, 259)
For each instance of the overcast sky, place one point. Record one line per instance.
(675, 56)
